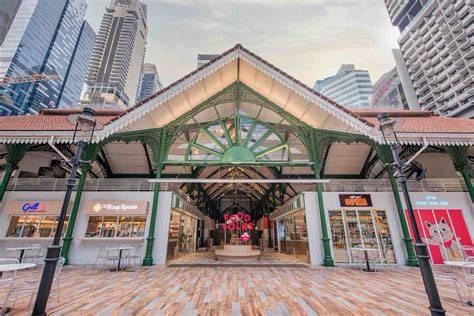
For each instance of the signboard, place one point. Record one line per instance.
(431, 200)
(239, 221)
(355, 200)
(34, 207)
(116, 207)
(445, 232)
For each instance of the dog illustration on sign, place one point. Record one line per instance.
(441, 234)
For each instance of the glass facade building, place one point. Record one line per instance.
(151, 82)
(349, 87)
(42, 40)
(74, 82)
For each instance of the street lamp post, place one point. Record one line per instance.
(85, 122)
(421, 249)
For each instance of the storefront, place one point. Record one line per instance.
(35, 219)
(116, 219)
(443, 225)
(357, 223)
(183, 228)
(292, 230)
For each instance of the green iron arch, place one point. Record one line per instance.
(244, 139)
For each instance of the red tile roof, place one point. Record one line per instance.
(431, 124)
(42, 122)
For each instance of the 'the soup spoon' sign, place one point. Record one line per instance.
(237, 221)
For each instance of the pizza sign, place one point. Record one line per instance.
(355, 200)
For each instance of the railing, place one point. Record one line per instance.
(334, 185)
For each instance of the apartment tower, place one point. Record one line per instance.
(116, 64)
(437, 44)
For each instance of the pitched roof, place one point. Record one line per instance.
(54, 122)
(49, 120)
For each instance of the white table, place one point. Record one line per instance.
(120, 250)
(366, 256)
(22, 250)
(15, 266)
(456, 263)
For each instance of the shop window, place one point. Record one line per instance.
(34, 226)
(116, 226)
(293, 235)
(360, 228)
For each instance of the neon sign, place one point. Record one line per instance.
(237, 221)
(34, 207)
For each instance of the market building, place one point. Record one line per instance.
(239, 136)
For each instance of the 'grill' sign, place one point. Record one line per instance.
(237, 221)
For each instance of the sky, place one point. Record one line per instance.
(309, 39)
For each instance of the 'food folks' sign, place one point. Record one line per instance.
(355, 200)
(239, 221)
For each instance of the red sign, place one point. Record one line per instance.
(445, 232)
(237, 221)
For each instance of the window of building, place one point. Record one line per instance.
(34, 226)
(116, 226)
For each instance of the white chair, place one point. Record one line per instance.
(12, 253)
(112, 255)
(101, 254)
(34, 254)
(135, 257)
(468, 272)
(13, 290)
(449, 278)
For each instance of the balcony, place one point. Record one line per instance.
(139, 185)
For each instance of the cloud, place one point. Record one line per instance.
(307, 38)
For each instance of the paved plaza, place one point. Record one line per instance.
(242, 291)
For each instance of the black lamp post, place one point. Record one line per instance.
(421, 249)
(84, 122)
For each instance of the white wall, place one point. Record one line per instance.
(84, 251)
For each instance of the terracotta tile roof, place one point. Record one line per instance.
(431, 124)
(41, 122)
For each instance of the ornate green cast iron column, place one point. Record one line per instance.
(90, 153)
(411, 256)
(328, 260)
(386, 158)
(160, 156)
(461, 163)
(318, 148)
(15, 153)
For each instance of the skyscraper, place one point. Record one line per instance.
(388, 92)
(41, 39)
(117, 59)
(437, 43)
(150, 81)
(8, 10)
(350, 87)
(74, 82)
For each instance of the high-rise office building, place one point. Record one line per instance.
(115, 67)
(388, 92)
(437, 43)
(8, 10)
(74, 83)
(350, 87)
(41, 39)
(205, 58)
(151, 82)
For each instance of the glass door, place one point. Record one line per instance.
(360, 229)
